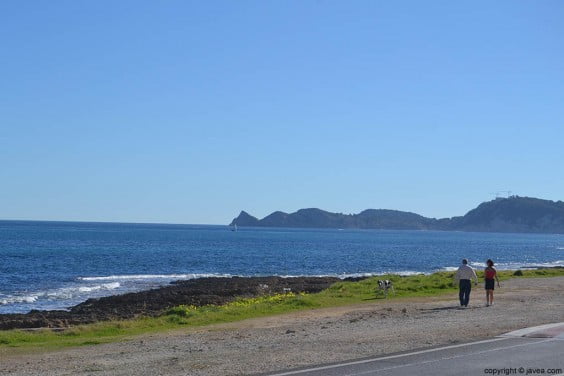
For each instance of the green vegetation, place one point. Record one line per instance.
(339, 294)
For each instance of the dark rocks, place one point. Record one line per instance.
(245, 219)
(198, 292)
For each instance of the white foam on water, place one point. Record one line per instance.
(478, 265)
(70, 292)
(162, 277)
(508, 265)
(104, 286)
(448, 269)
(519, 265)
(135, 277)
(407, 273)
(10, 299)
(63, 293)
(530, 265)
(355, 275)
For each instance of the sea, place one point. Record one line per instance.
(55, 265)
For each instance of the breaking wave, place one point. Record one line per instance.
(519, 265)
(140, 277)
(64, 293)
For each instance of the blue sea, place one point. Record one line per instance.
(55, 265)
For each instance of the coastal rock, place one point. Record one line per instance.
(245, 219)
(154, 302)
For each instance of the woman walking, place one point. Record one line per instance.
(491, 277)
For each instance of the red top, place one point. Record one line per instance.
(490, 273)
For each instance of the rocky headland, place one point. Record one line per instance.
(511, 214)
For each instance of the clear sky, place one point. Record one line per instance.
(190, 111)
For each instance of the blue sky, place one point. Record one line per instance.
(188, 112)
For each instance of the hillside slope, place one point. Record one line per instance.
(513, 214)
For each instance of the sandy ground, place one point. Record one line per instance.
(310, 337)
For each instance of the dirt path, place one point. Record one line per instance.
(309, 337)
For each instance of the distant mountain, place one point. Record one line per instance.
(513, 214)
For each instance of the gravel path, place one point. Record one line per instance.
(307, 338)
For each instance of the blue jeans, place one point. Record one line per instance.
(465, 287)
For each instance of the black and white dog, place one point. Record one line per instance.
(385, 285)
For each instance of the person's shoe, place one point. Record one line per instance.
(487, 304)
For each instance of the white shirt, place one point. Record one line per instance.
(465, 272)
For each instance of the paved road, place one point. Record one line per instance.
(538, 350)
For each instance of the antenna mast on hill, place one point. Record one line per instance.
(501, 194)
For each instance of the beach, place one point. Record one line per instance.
(308, 337)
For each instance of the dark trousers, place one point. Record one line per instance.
(464, 294)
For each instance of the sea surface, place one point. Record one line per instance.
(55, 265)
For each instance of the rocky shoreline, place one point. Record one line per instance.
(305, 338)
(198, 292)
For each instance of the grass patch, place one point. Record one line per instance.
(240, 309)
(339, 294)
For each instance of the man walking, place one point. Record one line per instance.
(464, 275)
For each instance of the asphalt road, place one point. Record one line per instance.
(530, 351)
